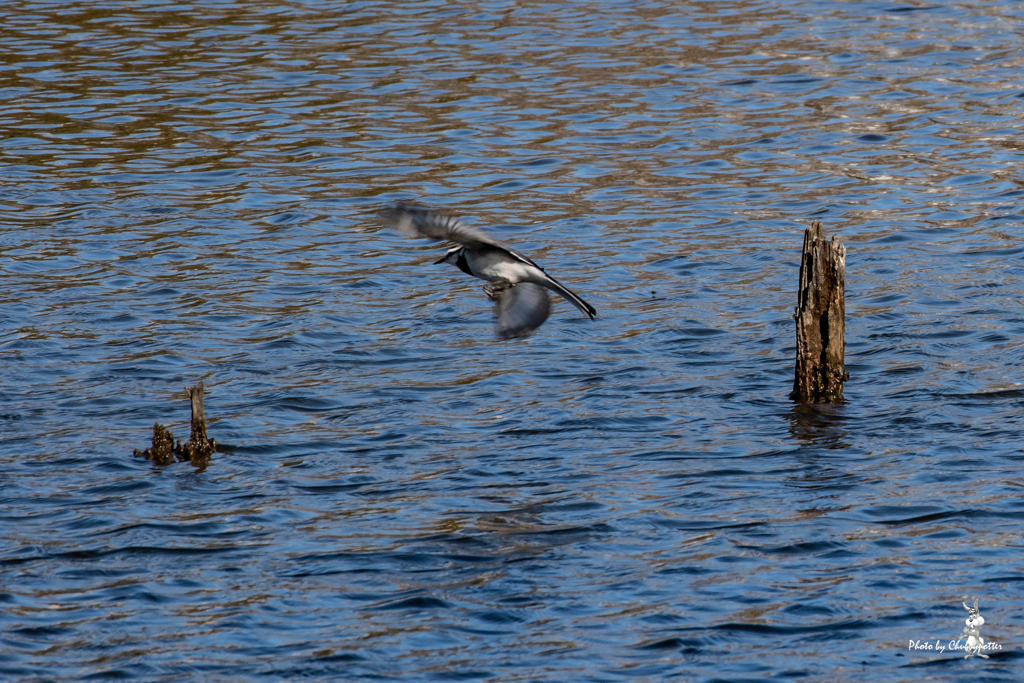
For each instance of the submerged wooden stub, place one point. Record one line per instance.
(820, 320)
(162, 451)
(196, 450)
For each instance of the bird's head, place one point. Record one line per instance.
(452, 256)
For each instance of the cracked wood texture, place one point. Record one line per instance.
(821, 320)
(198, 447)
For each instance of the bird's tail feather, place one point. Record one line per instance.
(556, 286)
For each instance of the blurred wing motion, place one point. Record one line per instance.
(416, 222)
(521, 309)
(518, 286)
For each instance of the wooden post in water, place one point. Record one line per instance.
(821, 320)
(196, 450)
(198, 445)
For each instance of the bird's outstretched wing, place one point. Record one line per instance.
(521, 309)
(419, 222)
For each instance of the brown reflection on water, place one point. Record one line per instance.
(189, 190)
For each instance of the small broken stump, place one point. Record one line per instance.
(821, 320)
(196, 450)
(162, 451)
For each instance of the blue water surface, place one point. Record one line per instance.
(188, 192)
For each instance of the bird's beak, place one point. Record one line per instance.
(440, 260)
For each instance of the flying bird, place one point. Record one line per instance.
(515, 283)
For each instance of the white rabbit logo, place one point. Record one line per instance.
(974, 622)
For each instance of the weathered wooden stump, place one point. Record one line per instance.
(821, 320)
(196, 450)
(198, 445)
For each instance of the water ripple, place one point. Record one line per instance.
(189, 193)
